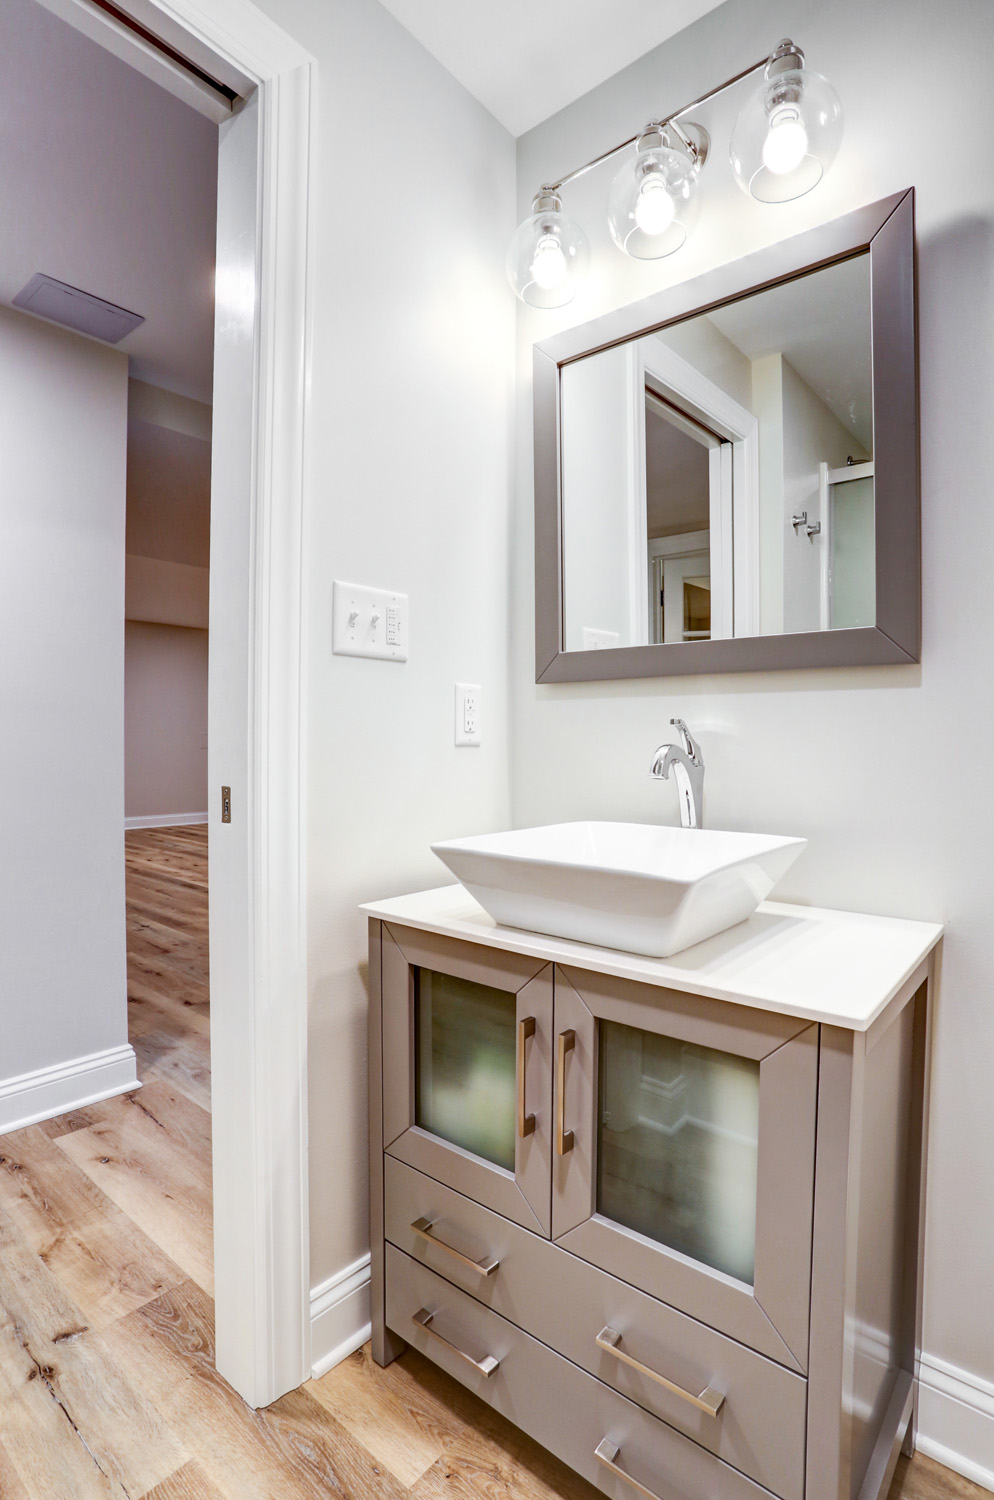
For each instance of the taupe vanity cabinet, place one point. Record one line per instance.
(665, 1215)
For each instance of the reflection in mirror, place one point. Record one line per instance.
(717, 474)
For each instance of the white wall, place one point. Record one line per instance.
(855, 760)
(598, 454)
(165, 720)
(409, 489)
(62, 937)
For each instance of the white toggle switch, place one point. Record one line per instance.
(468, 696)
(369, 622)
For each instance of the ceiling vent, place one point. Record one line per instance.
(64, 304)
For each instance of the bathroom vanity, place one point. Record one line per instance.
(664, 1214)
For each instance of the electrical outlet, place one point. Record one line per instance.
(468, 695)
(599, 640)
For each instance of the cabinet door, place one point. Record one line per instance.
(467, 1069)
(685, 1149)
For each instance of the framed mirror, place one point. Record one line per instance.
(726, 473)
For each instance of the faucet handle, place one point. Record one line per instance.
(691, 746)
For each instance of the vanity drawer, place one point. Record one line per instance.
(567, 1303)
(562, 1407)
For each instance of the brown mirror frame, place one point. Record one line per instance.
(886, 230)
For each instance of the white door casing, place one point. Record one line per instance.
(255, 709)
(734, 493)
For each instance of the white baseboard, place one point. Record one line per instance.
(956, 1419)
(70, 1085)
(165, 820)
(339, 1316)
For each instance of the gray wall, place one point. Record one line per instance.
(885, 771)
(62, 939)
(409, 489)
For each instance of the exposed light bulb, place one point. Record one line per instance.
(786, 141)
(549, 264)
(654, 208)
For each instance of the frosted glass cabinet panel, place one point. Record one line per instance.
(467, 1070)
(678, 1145)
(464, 1067)
(684, 1164)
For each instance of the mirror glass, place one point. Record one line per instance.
(717, 473)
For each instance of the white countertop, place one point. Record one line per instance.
(833, 966)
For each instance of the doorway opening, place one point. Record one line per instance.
(258, 1046)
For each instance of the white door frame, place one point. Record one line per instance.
(255, 712)
(735, 537)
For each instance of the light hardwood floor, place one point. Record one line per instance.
(107, 1383)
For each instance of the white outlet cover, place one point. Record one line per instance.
(599, 640)
(369, 622)
(468, 697)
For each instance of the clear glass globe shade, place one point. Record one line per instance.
(547, 259)
(652, 206)
(786, 136)
(786, 143)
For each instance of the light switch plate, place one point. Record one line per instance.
(369, 622)
(468, 696)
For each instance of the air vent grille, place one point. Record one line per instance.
(60, 303)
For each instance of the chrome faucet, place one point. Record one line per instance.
(688, 769)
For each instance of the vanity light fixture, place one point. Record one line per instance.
(784, 141)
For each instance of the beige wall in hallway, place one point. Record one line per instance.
(165, 720)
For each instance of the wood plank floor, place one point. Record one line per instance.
(107, 1380)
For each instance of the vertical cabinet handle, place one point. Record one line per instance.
(526, 1122)
(564, 1137)
(606, 1452)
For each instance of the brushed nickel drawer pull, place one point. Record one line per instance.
(486, 1366)
(485, 1267)
(564, 1137)
(526, 1122)
(709, 1400)
(606, 1452)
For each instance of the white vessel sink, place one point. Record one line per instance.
(633, 886)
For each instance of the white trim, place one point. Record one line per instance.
(735, 538)
(956, 1419)
(165, 820)
(112, 35)
(255, 710)
(340, 1321)
(849, 472)
(48, 1092)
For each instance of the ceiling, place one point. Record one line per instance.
(108, 183)
(526, 59)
